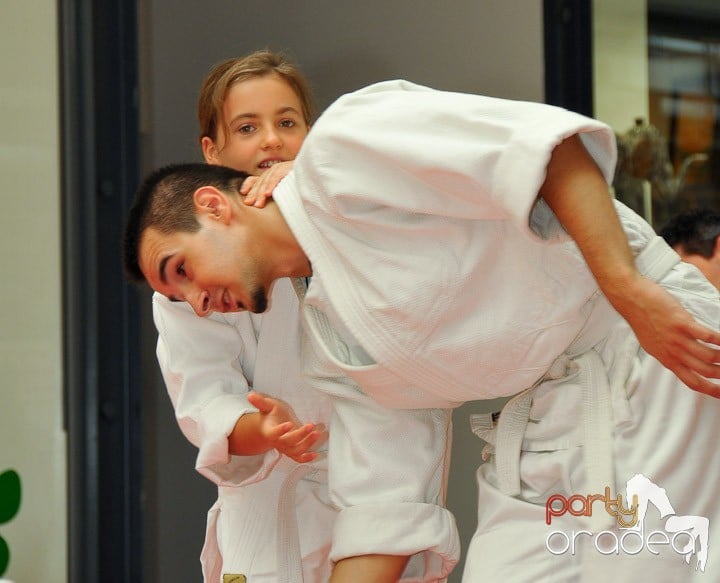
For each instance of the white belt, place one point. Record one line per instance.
(289, 558)
(603, 396)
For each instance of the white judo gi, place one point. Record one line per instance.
(439, 277)
(209, 365)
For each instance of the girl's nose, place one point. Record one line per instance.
(272, 139)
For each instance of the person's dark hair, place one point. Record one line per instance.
(693, 232)
(165, 201)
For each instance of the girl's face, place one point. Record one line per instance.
(262, 123)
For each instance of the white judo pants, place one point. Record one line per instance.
(277, 530)
(658, 429)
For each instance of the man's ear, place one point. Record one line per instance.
(716, 250)
(210, 150)
(211, 202)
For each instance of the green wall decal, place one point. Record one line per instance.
(10, 495)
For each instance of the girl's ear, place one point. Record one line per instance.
(211, 202)
(210, 151)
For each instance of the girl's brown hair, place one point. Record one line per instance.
(223, 76)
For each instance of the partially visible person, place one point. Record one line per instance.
(462, 247)
(272, 520)
(695, 235)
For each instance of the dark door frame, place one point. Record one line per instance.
(101, 324)
(568, 54)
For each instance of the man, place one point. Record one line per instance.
(435, 227)
(695, 235)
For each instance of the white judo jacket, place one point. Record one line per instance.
(209, 365)
(438, 277)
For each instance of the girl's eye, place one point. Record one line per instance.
(287, 123)
(246, 129)
(181, 270)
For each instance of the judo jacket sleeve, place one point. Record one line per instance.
(201, 364)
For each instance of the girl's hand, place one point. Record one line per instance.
(257, 189)
(284, 431)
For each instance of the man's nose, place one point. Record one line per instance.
(201, 304)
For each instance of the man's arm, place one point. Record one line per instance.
(387, 470)
(578, 194)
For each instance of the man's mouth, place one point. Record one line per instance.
(229, 304)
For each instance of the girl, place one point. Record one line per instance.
(254, 113)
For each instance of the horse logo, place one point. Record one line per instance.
(696, 527)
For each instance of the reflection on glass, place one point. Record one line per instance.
(671, 162)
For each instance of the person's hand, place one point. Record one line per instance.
(669, 333)
(257, 189)
(284, 431)
(576, 191)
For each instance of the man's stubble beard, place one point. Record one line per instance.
(260, 302)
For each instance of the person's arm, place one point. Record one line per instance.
(274, 426)
(201, 360)
(387, 469)
(386, 475)
(375, 568)
(576, 191)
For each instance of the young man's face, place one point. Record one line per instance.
(210, 269)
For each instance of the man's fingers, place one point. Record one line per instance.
(696, 382)
(704, 344)
(701, 368)
(705, 334)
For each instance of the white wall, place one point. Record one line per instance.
(620, 73)
(32, 441)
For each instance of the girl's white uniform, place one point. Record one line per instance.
(438, 278)
(272, 520)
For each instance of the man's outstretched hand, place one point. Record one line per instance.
(669, 333)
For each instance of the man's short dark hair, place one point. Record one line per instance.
(693, 232)
(165, 201)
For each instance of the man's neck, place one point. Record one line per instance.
(282, 248)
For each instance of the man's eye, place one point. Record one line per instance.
(180, 270)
